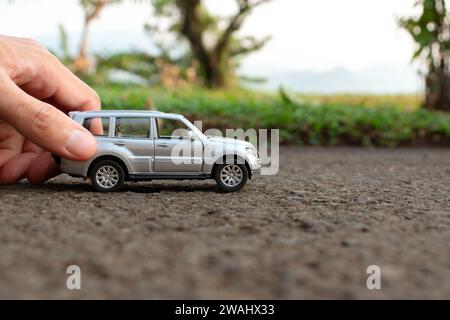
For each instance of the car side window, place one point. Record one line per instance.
(98, 126)
(171, 129)
(129, 127)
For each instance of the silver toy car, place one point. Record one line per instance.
(148, 145)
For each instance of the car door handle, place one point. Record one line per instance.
(162, 145)
(119, 143)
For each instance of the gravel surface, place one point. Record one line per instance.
(309, 232)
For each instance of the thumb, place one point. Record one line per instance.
(44, 124)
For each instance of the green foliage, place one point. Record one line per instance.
(138, 63)
(63, 43)
(299, 123)
(402, 102)
(429, 30)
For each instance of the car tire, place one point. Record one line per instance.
(230, 177)
(107, 176)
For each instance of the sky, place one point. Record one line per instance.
(318, 35)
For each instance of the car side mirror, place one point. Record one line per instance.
(190, 135)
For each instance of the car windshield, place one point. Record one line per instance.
(196, 131)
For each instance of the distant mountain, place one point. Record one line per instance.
(378, 80)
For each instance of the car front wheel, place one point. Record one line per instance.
(107, 176)
(231, 177)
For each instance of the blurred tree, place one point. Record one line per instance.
(431, 32)
(214, 48)
(144, 68)
(92, 10)
(64, 45)
(139, 64)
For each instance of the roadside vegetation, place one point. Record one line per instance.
(305, 120)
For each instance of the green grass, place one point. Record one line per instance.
(403, 102)
(310, 120)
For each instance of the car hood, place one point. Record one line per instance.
(221, 140)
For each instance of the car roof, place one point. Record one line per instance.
(127, 113)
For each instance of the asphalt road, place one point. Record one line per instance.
(309, 232)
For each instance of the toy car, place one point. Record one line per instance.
(149, 145)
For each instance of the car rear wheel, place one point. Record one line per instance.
(107, 176)
(231, 177)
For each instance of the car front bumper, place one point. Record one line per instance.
(254, 163)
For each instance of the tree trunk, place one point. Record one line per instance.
(82, 63)
(438, 90)
(211, 62)
(216, 63)
(218, 77)
(82, 52)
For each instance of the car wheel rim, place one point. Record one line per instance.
(107, 177)
(231, 175)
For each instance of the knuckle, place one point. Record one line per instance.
(43, 119)
(28, 69)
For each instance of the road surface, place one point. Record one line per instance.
(309, 232)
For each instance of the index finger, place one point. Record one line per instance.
(40, 74)
(72, 94)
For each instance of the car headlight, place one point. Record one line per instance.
(253, 151)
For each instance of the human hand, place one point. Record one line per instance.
(36, 91)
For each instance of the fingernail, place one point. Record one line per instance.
(81, 144)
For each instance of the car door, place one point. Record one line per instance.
(176, 151)
(132, 139)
